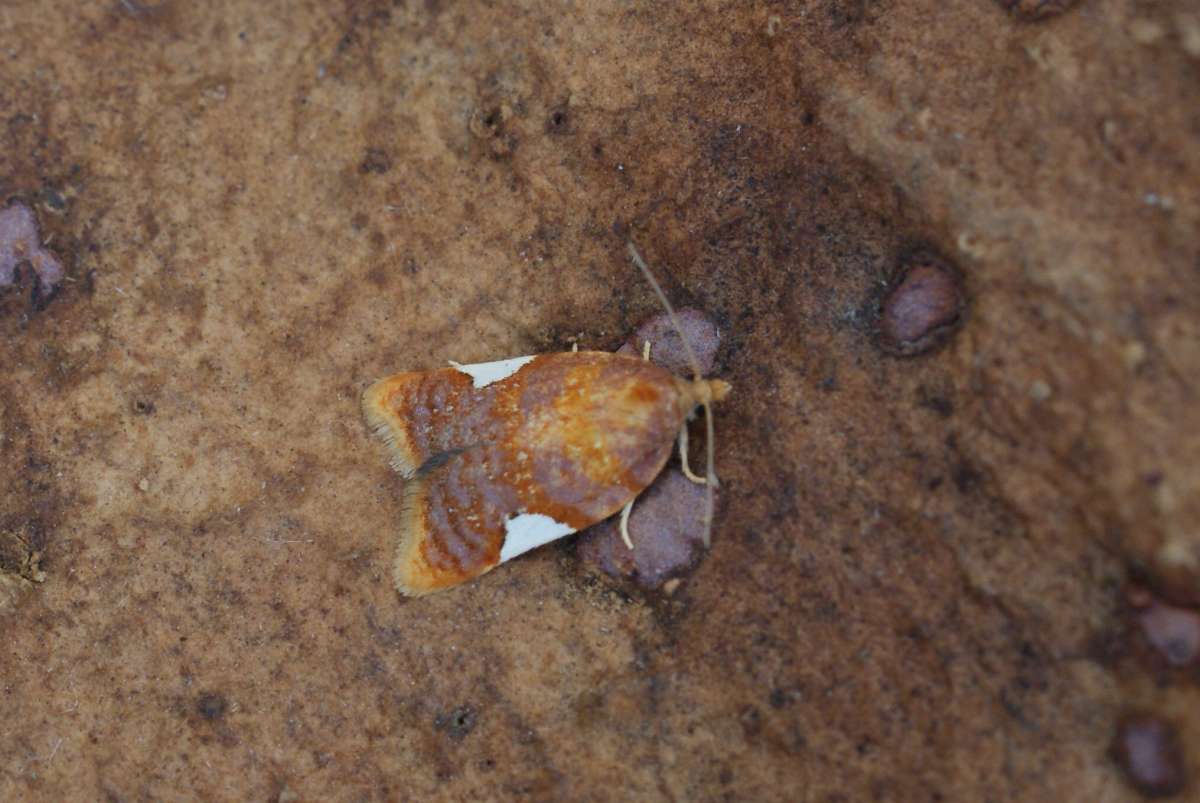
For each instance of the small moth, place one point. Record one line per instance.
(501, 457)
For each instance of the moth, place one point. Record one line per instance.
(501, 457)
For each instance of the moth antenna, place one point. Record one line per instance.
(662, 297)
(709, 430)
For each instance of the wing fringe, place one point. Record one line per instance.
(389, 427)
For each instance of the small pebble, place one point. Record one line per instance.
(923, 308)
(667, 530)
(1147, 749)
(667, 350)
(21, 243)
(1175, 632)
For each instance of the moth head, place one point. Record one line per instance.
(707, 391)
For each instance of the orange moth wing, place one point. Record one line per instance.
(502, 457)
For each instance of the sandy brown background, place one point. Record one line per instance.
(916, 585)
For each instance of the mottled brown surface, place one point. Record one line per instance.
(915, 587)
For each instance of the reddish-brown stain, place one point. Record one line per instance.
(645, 393)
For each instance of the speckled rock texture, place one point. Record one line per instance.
(918, 581)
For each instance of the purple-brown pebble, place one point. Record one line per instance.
(923, 308)
(1174, 632)
(1148, 751)
(667, 349)
(20, 243)
(667, 530)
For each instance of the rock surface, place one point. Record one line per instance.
(914, 587)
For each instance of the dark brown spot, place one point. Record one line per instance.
(1147, 748)
(925, 305)
(375, 161)
(211, 706)
(1033, 10)
(939, 404)
(457, 723)
(558, 121)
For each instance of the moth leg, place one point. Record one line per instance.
(625, 511)
(683, 461)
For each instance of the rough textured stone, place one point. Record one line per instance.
(666, 528)
(21, 244)
(261, 206)
(667, 348)
(1147, 749)
(926, 304)
(1174, 632)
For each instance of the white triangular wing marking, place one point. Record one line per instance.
(485, 373)
(526, 531)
